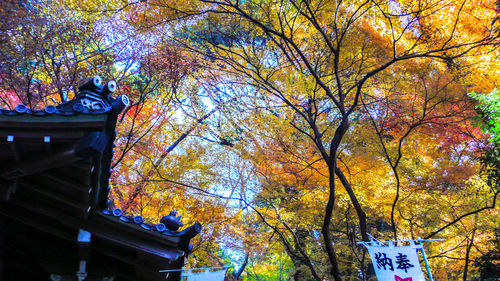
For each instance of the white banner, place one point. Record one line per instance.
(395, 263)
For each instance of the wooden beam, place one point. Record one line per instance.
(50, 122)
(64, 182)
(84, 238)
(7, 190)
(48, 147)
(33, 134)
(40, 164)
(56, 215)
(24, 219)
(13, 148)
(54, 196)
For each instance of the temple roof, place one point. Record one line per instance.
(54, 177)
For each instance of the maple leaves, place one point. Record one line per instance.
(290, 129)
(44, 57)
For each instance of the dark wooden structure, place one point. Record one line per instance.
(55, 223)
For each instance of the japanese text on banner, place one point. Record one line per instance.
(396, 263)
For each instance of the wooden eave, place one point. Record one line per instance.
(62, 123)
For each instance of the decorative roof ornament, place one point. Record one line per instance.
(94, 98)
(172, 222)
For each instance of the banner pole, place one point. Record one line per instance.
(425, 259)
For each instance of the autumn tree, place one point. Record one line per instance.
(433, 149)
(162, 161)
(44, 55)
(489, 107)
(319, 59)
(331, 120)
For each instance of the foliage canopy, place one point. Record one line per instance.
(290, 129)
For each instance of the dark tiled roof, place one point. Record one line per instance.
(55, 169)
(93, 100)
(159, 228)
